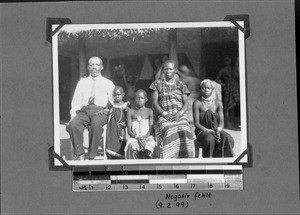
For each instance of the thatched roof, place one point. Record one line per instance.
(124, 42)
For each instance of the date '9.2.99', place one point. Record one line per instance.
(180, 200)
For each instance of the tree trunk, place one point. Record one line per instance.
(172, 41)
(106, 71)
(194, 52)
(82, 57)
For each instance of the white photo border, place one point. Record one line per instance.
(187, 161)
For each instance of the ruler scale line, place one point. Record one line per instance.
(147, 178)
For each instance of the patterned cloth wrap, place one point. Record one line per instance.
(223, 146)
(115, 132)
(176, 138)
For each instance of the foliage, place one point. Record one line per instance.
(113, 34)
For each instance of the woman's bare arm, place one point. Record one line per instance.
(221, 115)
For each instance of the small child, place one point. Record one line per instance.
(141, 143)
(115, 132)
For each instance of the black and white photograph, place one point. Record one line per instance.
(149, 93)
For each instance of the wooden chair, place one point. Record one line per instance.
(103, 140)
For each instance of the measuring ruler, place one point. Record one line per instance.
(132, 178)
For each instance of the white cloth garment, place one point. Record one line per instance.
(140, 126)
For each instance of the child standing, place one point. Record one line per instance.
(115, 133)
(141, 143)
(225, 78)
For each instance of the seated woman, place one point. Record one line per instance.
(141, 143)
(209, 123)
(169, 98)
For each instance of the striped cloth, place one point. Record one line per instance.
(176, 137)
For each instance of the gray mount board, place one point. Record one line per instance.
(28, 187)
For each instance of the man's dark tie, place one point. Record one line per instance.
(93, 92)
